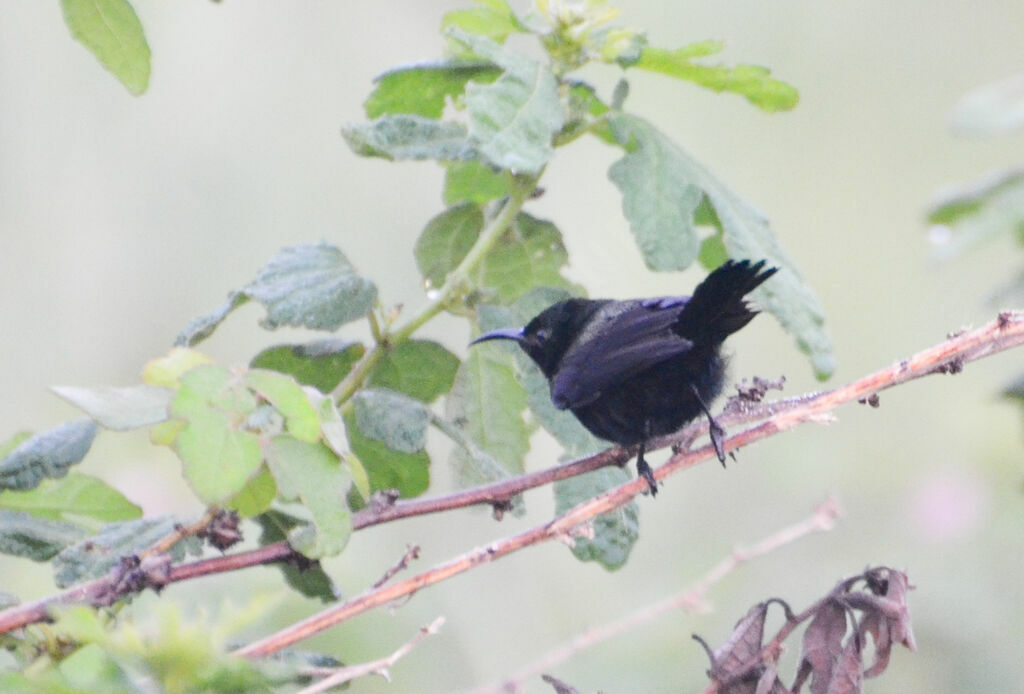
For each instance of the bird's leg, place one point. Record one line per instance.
(644, 470)
(716, 432)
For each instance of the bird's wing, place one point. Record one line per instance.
(616, 346)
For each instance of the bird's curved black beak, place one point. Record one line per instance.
(503, 334)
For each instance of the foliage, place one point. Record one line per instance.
(307, 434)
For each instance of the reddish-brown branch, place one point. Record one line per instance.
(1006, 332)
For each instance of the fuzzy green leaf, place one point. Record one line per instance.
(659, 194)
(615, 532)
(529, 254)
(311, 581)
(513, 120)
(48, 454)
(996, 108)
(405, 136)
(96, 555)
(311, 286)
(746, 234)
(386, 468)
(751, 81)
(311, 473)
(76, 495)
(423, 89)
(32, 537)
(486, 406)
(120, 409)
(472, 181)
(419, 368)
(321, 364)
(396, 420)
(111, 30)
(256, 496)
(978, 212)
(491, 18)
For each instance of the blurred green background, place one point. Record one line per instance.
(121, 218)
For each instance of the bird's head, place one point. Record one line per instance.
(550, 333)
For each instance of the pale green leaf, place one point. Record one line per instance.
(406, 136)
(287, 396)
(120, 409)
(48, 454)
(491, 18)
(32, 537)
(746, 234)
(996, 108)
(74, 495)
(967, 216)
(446, 240)
(311, 286)
(111, 30)
(513, 120)
(396, 420)
(96, 555)
(167, 370)
(256, 496)
(311, 473)
(615, 532)
(419, 368)
(423, 89)
(751, 81)
(387, 468)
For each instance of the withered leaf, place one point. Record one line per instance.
(743, 645)
(822, 646)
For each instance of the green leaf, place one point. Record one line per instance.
(48, 454)
(256, 496)
(396, 420)
(486, 406)
(423, 89)
(321, 364)
(218, 456)
(746, 234)
(615, 532)
(996, 108)
(120, 409)
(511, 121)
(659, 194)
(111, 30)
(287, 396)
(446, 240)
(751, 81)
(311, 286)
(96, 555)
(166, 371)
(332, 426)
(311, 473)
(201, 327)
(409, 473)
(472, 181)
(419, 368)
(311, 581)
(405, 136)
(74, 495)
(32, 537)
(530, 253)
(975, 213)
(491, 18)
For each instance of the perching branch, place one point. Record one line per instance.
(692, 599)
(1006, 332)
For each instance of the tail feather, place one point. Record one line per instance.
(717, 308)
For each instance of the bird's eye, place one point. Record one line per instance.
(543, 334)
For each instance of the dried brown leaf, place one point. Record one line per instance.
(823, 645)
(846, 677)
(743, 645)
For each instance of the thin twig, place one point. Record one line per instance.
(1006, 332)
(379, 667)
(411, 552)
(692, 599)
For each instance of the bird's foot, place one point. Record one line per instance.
(644, 470)
(717, 434)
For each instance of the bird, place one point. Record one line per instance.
(635, 369)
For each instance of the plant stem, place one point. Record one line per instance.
(455, 282)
